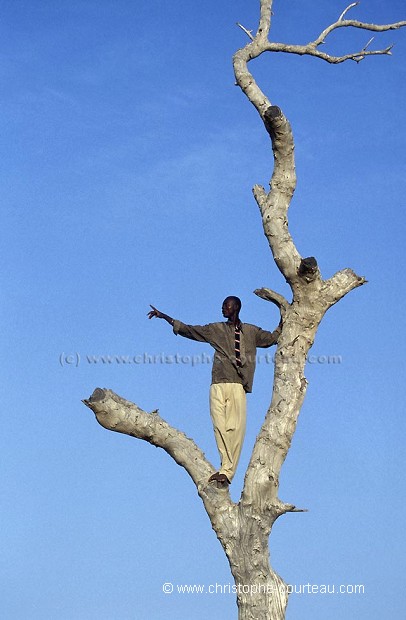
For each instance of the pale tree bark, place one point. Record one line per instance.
(243, 528)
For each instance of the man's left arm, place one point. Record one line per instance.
(265, 339)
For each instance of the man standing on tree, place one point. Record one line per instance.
(235, 345)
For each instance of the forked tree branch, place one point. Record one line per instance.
(311, 49)
(352, 23)
(117, 414)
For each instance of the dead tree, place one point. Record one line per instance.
(243, 528)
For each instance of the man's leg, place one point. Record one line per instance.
(236, 415)
(228, 413)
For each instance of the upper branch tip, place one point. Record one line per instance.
(349, 7)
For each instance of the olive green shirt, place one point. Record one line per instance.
(221, 336)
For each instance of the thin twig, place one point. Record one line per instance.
(369, 43)
(247, 32)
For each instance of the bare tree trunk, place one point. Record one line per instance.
(261, 593)
(243, 528)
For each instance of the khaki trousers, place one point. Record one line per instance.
(228, 410)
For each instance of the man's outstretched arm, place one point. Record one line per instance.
(201, 333)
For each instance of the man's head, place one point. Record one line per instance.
(231, 307)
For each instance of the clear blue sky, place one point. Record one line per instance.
(127, 161)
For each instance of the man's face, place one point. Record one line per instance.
(229, 307)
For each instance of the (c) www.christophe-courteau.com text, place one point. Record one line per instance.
(76, 359)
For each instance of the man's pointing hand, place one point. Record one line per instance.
(154, 312)
(159, 315)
